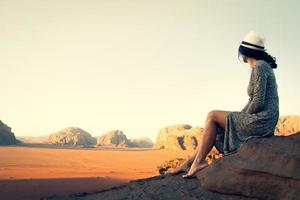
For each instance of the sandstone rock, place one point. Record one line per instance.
(178, 137)
(141, 143)
(170, 165)
(287, 125)
(116, 138)
(6, 136)
(213, 155)
(71, 136)
(190, 142)
(264, 168)
(113, 138)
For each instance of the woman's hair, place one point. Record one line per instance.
(259, 55)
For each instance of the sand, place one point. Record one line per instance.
(32, 172)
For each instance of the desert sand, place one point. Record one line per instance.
(33, 172)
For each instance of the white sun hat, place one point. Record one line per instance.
(254, 40)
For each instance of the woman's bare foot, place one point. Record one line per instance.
(183, 168)
(196, 167)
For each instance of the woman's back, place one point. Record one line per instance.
(262, 89)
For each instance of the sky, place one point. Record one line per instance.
(136, 65)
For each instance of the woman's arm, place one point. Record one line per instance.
(259, 83)
(246, 106)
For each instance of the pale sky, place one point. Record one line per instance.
(136, 65)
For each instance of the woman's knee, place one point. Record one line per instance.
(218, 117)
(211, 115)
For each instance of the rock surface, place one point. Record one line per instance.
(113, 138)
(155, 188)
(265, 168)
(71, 136)
(7, 137)
(288, 125)
(178, 137)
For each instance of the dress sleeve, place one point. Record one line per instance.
(259, 83)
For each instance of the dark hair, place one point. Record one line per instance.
(259, 55)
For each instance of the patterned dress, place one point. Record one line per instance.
(260, 115)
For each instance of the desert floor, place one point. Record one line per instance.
(35, 172)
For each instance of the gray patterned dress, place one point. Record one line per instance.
(260, 115)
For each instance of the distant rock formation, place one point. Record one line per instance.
(71, 136)
(141, 143)
(6, 136)
(114, 138)
(117, 138)
(178, 137)
(33, 139)
(288, 125)
(263, 168)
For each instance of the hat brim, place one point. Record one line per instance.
(252, 47)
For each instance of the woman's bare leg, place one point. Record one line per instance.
(205, 146)
(207, 141)
(186, 164)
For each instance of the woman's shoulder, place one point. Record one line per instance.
(263, 64)
(261, 69)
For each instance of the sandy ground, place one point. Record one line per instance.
(32, 173)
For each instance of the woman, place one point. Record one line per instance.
(226, 130)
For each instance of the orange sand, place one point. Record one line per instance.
(32, 173)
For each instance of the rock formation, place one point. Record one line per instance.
(264, 168)
(178, 137)
(33, 139)
(115, 138)
(71, 136)
(6, 136)
(141, 143)
(287, 125)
